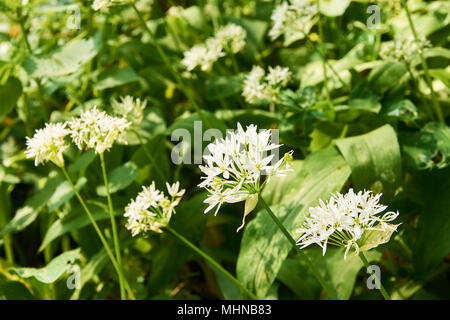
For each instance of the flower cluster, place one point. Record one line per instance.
(101, 4)
(48, 144)
(293, 20)
(152, 209)
(235, 165)
(228, 38)
(343, 220)
(404, 49)
(260, 87)
(129, 109)
(98, 130)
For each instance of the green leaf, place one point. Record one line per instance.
(340, 273)
(428, 148)
(333, 8)
(10, 92)
(223, 87)
(72, 222)
(116, 77)
(403, 110)
(375, 160)
(14, 290)
(51, 272)
(64, 193)
(386, 76)
(83, 161)
(63, 60)
(119, 178)
(264, 247)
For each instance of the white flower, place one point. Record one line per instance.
(131, 110)
(232, 36)
(203, 55)
(404, 48)
(101, 4)
(95, 129)
(236, 164)
(258, 86)
(152, 209)
(48, 144)
(343, 220)
(293, 21)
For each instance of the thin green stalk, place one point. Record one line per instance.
(5, 210)
(97, 229)
(326, 286)
(436, 106)
(169, 66)
(114, 227)
(377, 281)
(213, 262)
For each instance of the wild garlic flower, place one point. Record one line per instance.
(152, 209)
(258, 86)
(232, 37)
(129, 109)
(344, 219)
(203, 55)
(404, 48)
(101, 4)
(98, 130)
(293, 20)
(236, 164)
(48, 144)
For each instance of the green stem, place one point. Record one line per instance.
(114, 227)
(377, 281)
(309, 263)
(169, 66)
(213, 262)
(322, 49)
(436, 106)
(97, 229)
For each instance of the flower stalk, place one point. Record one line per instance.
(377, 280)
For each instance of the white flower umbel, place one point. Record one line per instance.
(259, 87)
(152, 209)
(404, 49)
(232, 37)
(293, 20)
(343, 219)
(203, 55)
(48, 144)
(235, 166)
(101, 4)
(228, 38)
(129, 109)
(96, 129)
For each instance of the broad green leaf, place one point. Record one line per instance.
(63, 60)
(386, 76)
(264, 247)
(428, 148)
(333, 8)
(340, 273)
(83, 161)
(119, 178)
(14, 290)
(28, 213)
(10, 92)
(64, 193)
(250, 204)
(223, 87)
(374, 158)
(72, 222)
(51, 272)
(116, 77)
(403, 110)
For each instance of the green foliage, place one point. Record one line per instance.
(354, 116)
